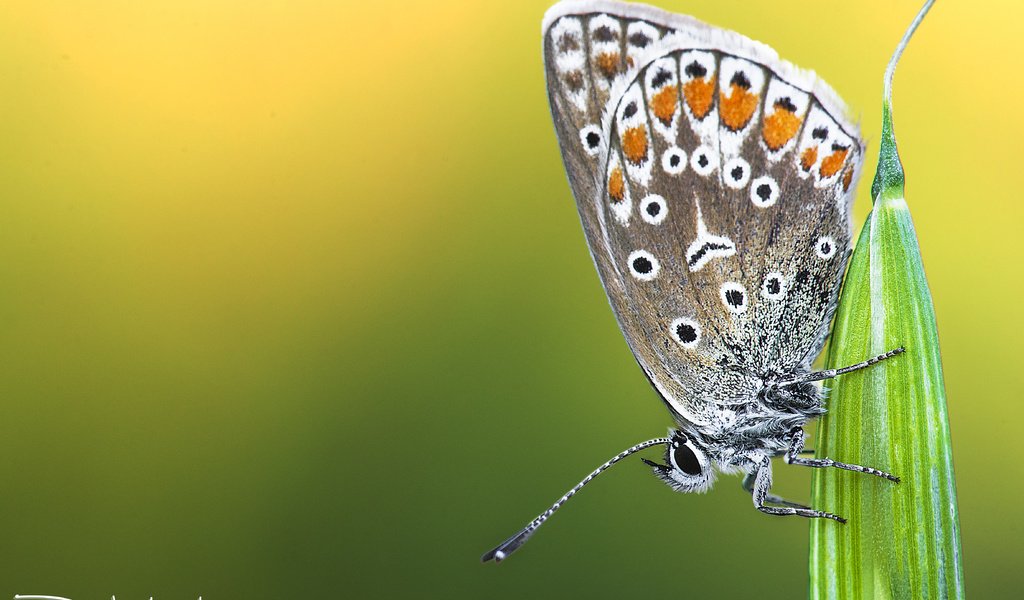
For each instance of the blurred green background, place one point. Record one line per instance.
(295, 301)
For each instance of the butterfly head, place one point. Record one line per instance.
(687, 466)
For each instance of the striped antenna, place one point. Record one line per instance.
(513, 543)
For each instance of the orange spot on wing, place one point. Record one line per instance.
(608, 64)
(831, 164)
(847, 179)
(737, 108)
(663, 104)
(699, 93)
(779, 128)
(634, 144)
(616, 185)
(808, 158)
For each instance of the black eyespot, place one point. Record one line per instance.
(673, 160)
(820, 133)
(825, 247)
(702, 160)
(737, 173)
(764, 192)
(574, 81)
(772, 286)
(695, 69)
(642, 264)
(686, 333)
(568, 43)
(785, 104)
(685, 460)
(653, 209)
(630, 110)
(639, 40)
(590, 139)
(837, 147)
(661, 78)
(740, 80)
(734, 297)
(604, 34)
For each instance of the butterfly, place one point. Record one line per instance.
(714, 183)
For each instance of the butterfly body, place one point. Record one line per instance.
(713, 182)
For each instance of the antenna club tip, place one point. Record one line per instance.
(495, 555)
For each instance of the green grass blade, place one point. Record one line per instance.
(901, 541)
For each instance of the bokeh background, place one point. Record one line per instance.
(295, 302)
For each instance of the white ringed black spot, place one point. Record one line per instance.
(825, 247)
(774, 286)
(734, 297)
(653, 209)
(643, 265)
(673, 160)
(685, 331)
(736, 173)
(590, 137)
(764, 192)
(704, 160)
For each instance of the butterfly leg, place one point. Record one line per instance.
(796, 448)
(748, 485)
(831, 373)
(762, 485)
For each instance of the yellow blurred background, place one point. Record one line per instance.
(296, 301)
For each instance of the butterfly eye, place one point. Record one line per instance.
(685, 459)
(688, 468)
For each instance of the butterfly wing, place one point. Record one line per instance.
(713, 182)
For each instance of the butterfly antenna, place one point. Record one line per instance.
(513, 543)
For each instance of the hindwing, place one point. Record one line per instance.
(714, 182)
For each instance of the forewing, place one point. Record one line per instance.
(712, 181)
(587, 55)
